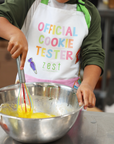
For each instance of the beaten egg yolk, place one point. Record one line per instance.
(29, 113)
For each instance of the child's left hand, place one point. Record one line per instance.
(86, 96)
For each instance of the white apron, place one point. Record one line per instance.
(55, 36)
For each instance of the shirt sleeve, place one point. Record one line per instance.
(92, 52)
(15, 11)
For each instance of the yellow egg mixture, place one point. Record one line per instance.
(28, 114)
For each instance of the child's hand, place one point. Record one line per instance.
(18, 46)
(86, 96)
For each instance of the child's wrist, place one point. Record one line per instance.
(14, 32)
(87, 84)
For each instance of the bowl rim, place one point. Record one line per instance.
(35, 83)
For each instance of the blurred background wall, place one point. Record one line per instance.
(8, 67)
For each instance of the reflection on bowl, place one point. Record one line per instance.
(50, 98)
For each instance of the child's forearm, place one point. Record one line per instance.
(7, 29)
(17, 41)
(91, 75)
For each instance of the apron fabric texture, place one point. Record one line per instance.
(55, 36)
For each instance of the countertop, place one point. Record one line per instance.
(89, 128)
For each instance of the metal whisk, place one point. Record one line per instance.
(24, 97)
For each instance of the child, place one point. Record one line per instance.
(56, 33)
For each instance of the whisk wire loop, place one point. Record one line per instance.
(24, 97)
(29, 96)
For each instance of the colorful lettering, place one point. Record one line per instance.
(41, 42)
(41, 26)
(50, 54)
(66, 43)
(59, 66)
(53, 68)
(56, 42)
(70, 43)
(69, 54)
(47, 40)
(63, 31)
(57, 29)
(46, 27)
(48, 66)
(42, 52)
(43, 65)
(56, 53)
(69, 31)
(61, 42)
(50, 28)
(54, 29)
(74, 30)
(58, 33)
(62, 56)
(38, 49)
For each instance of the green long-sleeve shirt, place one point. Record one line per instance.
(91, 51)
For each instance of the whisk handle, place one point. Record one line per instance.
(20, 72)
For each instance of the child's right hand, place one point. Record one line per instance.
(18, 46)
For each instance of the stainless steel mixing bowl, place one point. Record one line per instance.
(51, 98)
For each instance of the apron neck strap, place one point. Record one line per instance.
(81, 7)
(44, 2)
